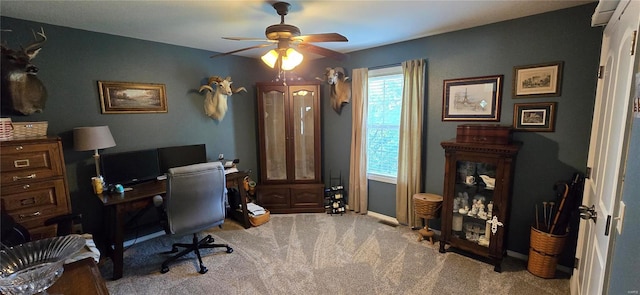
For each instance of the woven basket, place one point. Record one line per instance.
(547, 243)
(260, 219)
(542, 265)
(6, 129)
(29, 129)
(543, 253)
(427, 205)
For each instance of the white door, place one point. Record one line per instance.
(608, 138)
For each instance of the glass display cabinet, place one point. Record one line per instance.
(290, 164)
(477, 192)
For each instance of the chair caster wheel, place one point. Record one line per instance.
(203, 270)
(164, 269)
(229, 250)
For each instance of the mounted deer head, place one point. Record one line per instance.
(22, 91)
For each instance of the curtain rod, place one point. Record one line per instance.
(385, 66)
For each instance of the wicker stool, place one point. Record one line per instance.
(427, 206)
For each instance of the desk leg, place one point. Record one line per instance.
(118, 244)
(243, 201)
(237, 180)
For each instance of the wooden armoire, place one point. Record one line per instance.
(290, 148)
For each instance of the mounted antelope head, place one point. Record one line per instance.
(22, 91)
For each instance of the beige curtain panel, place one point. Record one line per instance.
(358, 168)
(409, 178)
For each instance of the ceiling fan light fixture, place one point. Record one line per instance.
(291, 59)
(270, 58)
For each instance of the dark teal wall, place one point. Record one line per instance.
(72, 61)
(494, 49)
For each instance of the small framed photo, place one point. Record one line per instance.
(541, 80)
(472, 99)
(131, 98)
(535, 117)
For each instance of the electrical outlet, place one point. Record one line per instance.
(620, 218)
(220, 156)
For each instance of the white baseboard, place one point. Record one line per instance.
(386, 218)
(517, 255)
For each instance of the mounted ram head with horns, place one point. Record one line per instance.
(215, 103)
(340, 87)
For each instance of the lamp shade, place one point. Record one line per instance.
(92, 138)
(270, 58)
(291, 59)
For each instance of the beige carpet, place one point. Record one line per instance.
(321, 254)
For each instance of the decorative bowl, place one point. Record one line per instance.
(33, 267)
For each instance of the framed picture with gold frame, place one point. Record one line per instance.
(536, 117)
(540, 80)
(131, 98)
(472, 99)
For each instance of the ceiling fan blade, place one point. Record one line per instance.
(248, 39)
(323, 37)
(322, 51)
(242, 49)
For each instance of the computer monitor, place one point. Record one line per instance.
(182, 155)
(128, 168)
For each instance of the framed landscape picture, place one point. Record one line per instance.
(472, 99)
(537, 117)
(126, 97)
(537, 80)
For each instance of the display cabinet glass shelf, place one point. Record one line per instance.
(476, 198)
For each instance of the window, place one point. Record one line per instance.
(383, 123)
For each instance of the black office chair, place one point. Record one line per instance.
(195, 201)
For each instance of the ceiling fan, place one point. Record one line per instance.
(286, 37)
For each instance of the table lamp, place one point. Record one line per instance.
(93, 138)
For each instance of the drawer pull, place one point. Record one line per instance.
(21, 163)
(26, 186)
(29, 201)
(37, 213)
(30, 176)
(19, 148)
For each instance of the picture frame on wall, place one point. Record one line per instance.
(131, 98)
(472, 99)
(539, 80)
(534, 117)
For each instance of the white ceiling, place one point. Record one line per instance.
(201, 24)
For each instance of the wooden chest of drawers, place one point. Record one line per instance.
(33, 183)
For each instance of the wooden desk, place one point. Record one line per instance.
(140, 197)
(80, 277)
(116, 206)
